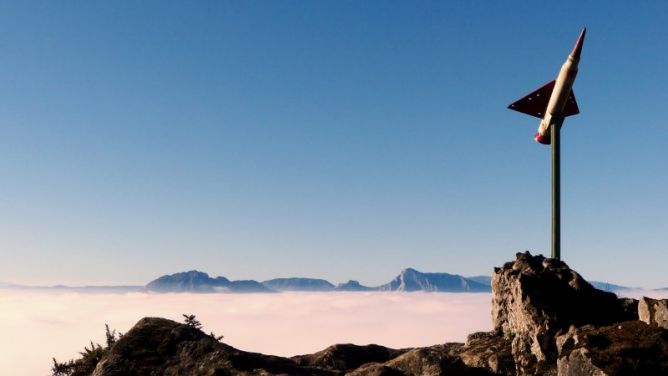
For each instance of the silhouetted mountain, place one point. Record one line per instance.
(352, 285)
(192, 281)
(413, 280)
(196, 281)
(298, 284)
(408, 280)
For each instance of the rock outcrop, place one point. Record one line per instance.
(654, 311)
(536, 298)
(156, 346)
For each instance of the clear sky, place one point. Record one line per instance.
(333, 139)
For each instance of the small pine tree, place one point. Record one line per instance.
(111, 335)
(192, 322)
(217, 338)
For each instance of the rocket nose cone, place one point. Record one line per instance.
(577, 49)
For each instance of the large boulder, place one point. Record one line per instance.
(654, 311)
(536, 298)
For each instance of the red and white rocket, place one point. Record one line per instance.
(555, 100)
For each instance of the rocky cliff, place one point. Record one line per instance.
(548, 321)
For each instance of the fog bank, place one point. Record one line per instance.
(37, 326)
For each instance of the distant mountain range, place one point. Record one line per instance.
(408, 280)
(196, 281)
(199, 282)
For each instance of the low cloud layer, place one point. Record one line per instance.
(37, 326)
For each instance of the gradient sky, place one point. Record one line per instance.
(333, 139)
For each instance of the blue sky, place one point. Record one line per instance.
(334, 139)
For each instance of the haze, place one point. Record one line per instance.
(37, 326)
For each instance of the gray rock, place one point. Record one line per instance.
(654, 311)
(488, 350)
(535, 298)
(627, 348)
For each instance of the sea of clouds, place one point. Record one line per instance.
(38, 325)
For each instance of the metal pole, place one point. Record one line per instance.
(556, 188)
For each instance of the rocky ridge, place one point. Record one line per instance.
(548, 321)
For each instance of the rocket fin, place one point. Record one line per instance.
(535, 103)
(571, 107)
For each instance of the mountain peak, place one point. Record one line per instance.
(413, 280)
(192, 280)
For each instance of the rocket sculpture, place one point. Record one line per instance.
(555, 100)
(552, 103)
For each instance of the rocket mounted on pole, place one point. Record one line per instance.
(552, 103)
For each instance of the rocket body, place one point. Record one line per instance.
(555, 100)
